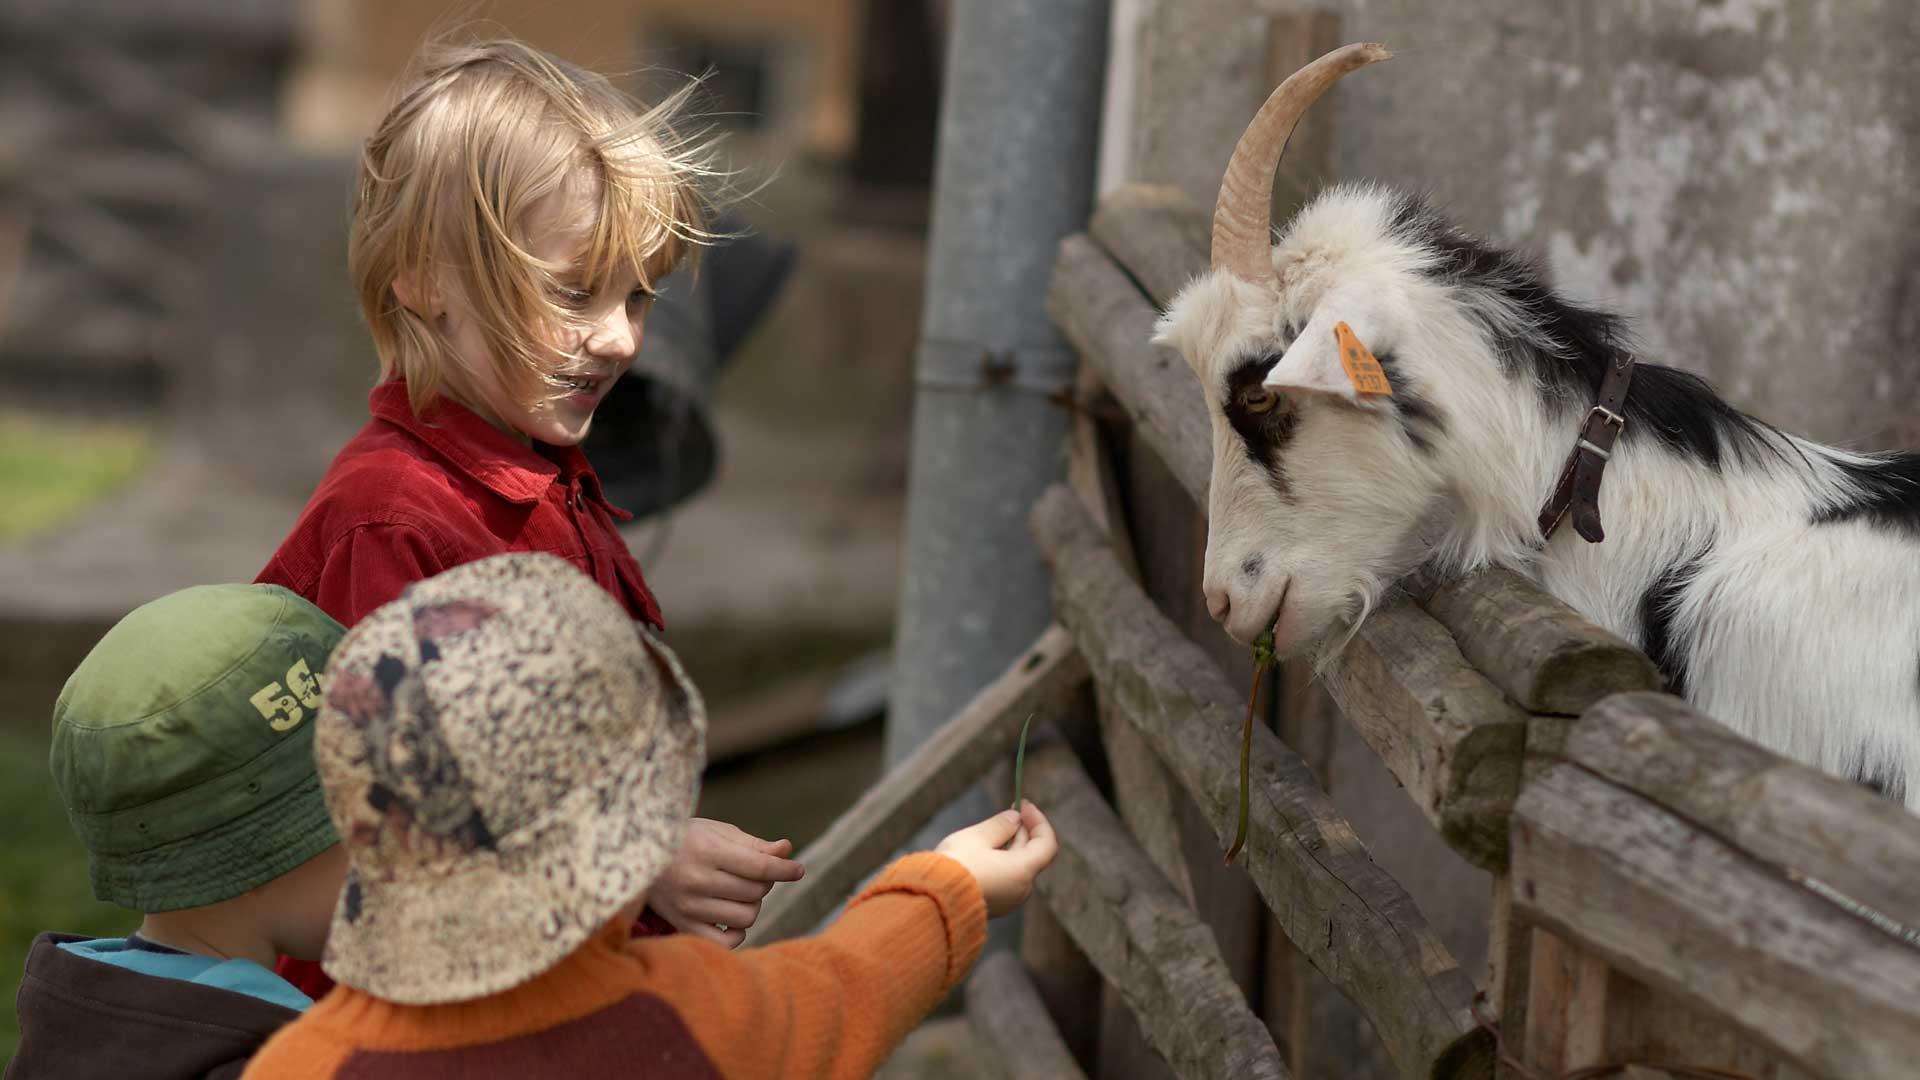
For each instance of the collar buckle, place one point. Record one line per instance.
(1606, 416)
(1578, 492)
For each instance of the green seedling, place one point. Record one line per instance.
(1020, 763)
(1262, 660)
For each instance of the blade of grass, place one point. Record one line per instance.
(1262, 660)
(1020, 763)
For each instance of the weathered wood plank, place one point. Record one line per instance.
(1157, 234)
(1347, 916)
(1066, 981)
(908, 796)
(1566, 1012)
(1544, 655)
(1509, 970)
(1103, 314)
(1011, 1023)
(1446, 733)
(1142, 936)
(1862, 844)
(1669, 904)
(1647, 1024)
(1142, 790)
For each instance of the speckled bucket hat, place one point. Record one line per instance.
(510, 760)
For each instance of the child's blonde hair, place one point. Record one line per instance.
(479, 135)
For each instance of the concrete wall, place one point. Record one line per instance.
(1742, 177)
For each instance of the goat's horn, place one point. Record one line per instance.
(1243, 215)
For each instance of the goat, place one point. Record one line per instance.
(1775, 581)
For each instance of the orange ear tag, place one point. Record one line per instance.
(1362, 369)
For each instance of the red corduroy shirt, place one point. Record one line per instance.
(411, 496)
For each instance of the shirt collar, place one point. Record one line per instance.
(511, 469)
(507, 467)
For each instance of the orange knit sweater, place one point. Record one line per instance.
(834, 1005)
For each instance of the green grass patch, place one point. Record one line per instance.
(51, 468)
(43, 871)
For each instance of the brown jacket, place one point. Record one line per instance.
(80, 1018)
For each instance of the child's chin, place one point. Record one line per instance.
(563, 430)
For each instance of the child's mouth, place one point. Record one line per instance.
(583, 386)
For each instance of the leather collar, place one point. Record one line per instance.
(1578, 490)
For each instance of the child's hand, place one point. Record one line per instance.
(715, 883)
(1004, 854)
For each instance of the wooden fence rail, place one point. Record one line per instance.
(1011, 1024)
(1660, 845)
(1790, 814)
(1143, 937)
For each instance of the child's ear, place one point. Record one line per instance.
(422, 301)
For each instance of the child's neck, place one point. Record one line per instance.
(480, 410)
(210, 931)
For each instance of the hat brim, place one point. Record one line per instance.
(280, 835)
(499, 919)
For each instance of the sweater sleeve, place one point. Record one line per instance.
(370, 565)
(837, 1004)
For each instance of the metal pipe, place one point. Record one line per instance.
(1014, 174)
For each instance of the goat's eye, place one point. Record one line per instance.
(1259, 400)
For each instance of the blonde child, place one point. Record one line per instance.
(513, 216)
(510, 763)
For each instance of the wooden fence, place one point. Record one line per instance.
(1652, 911)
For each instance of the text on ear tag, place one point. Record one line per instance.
(1362, 369)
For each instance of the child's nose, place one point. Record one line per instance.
(614, 337)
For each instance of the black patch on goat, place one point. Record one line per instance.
(1887, 495)
(1887, 780)
(1568, 348)
(1657, 610)
(1418, 417)
(1263, 434)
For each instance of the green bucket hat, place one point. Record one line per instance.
(183, 746)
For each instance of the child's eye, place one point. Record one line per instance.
(641, 297)
(574, 298)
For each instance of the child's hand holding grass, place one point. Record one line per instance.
(1004, 854)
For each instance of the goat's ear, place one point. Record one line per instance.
(1312, 365)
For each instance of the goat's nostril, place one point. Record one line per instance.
(1219, 604)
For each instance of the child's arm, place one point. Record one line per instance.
(837, 1004)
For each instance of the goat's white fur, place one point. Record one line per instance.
(1803, 637)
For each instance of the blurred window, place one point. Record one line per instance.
(752, 85)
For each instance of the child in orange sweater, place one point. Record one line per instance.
(511, 763)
